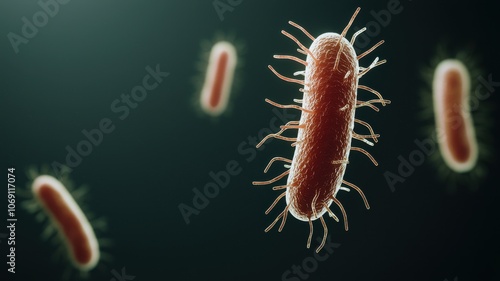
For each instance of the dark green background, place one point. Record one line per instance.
(66, 77)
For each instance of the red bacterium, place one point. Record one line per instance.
(325, 128)
(218, 78)
(457, 138)
(70, 221)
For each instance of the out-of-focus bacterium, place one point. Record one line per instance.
(218, 78)
(69, 220)
(457, 137)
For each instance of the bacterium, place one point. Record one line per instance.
(70, 221)
(218, 78)
(58, 203)
(457, 115)
(325, 129)
(456, 134)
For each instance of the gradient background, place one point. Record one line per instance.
(66, 77)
